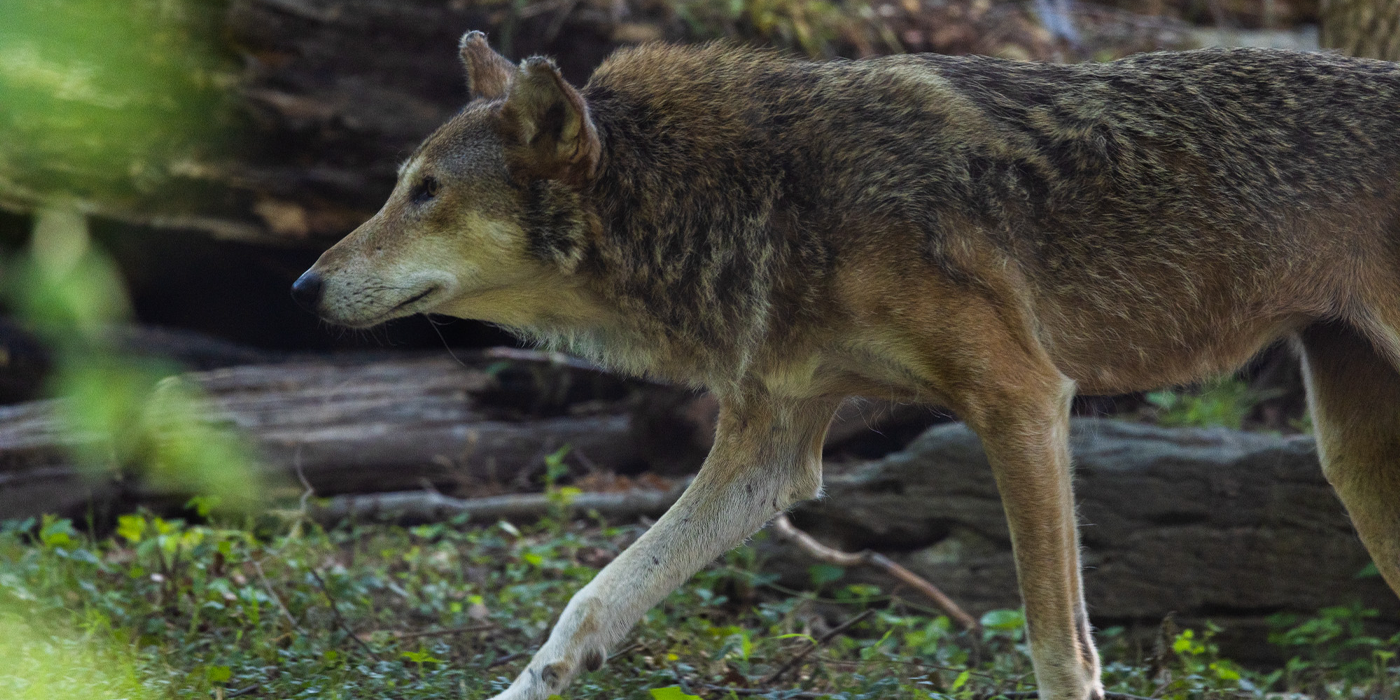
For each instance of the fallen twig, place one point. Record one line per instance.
(624, 651)
(511, 657)
(1019, 694)
(340, 621)
(786, 530)
(794, 661)
(761, 691)
(427, 505)
(430, 633)
(276, 597)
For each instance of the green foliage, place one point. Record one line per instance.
(1220, 403)
(1335, 648)
(40, 665)
(672, 693)
(1004, 620)
(167, 609)
(105, 100)
(560, 497)
(70, 292)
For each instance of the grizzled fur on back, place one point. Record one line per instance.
(732, 181)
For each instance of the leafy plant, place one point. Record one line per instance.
(1219, 403)
(1335, 644)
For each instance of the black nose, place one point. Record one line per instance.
(306, 291)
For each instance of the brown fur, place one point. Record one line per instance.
(987, 235)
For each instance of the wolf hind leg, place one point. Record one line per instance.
(1354, 396)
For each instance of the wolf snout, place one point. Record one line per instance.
(306, 291)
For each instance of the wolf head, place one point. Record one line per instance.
(486, 220)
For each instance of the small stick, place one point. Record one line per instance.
(760, 690)
(433, 633)
(275, 596)
(625, 650)
(340, 621)
(510, 657)
(435, 506)
(1019, 694)
(813, 646)
(786, 530)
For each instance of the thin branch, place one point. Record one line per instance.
(426, 505)
(511, 657)
(625, 651)
(811, 647)
(432, 633)
(1018, 694)
(786, 530)
(301, 476)
(763, 691)
(257, 566)
(340, 621)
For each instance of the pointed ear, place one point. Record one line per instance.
(546, 126)
(488, 73)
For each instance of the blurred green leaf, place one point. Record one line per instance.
(672, 693)
(56, 532)
(822, 574)
(1004, 620)
(106, 100)
(131, 527)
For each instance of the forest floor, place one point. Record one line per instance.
(281, 608)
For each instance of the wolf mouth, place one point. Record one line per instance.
(415, 298)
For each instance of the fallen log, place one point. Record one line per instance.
(479, 420)
(350, 427)
(391, 426)
(430, 505)
(1207, 523)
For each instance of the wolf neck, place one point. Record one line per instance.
(684, 246)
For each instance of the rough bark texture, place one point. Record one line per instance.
(1206, 523)
(1365, 28)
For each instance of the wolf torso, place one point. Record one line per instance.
(1133, 207)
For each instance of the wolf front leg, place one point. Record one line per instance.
(1026, 437)
(767, 455)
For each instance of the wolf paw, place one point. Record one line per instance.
(542, 679)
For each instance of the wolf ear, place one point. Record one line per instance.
(488, 73)
(546, 124)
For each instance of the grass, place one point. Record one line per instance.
(285, 609)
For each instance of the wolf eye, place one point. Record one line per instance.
(426, 190)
